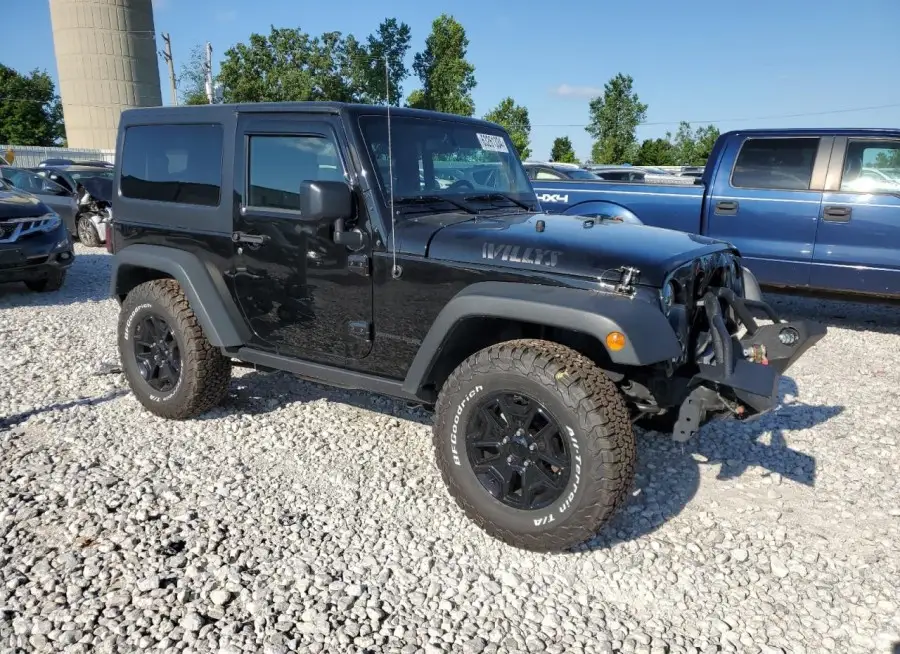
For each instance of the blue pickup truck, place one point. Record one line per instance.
(809, 209)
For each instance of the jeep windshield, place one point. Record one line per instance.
(446, 165)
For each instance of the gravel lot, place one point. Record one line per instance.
(301, 518)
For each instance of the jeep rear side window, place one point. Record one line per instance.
(173, 163)
(782, 163)
(279, 163)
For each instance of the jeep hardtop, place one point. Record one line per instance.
(404, 252)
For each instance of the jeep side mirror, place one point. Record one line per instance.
(325, 201)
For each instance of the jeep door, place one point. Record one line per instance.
(293, 283)
(858, 242)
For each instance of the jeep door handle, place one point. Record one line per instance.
(837, 214)
(726, 208)
(253, 239)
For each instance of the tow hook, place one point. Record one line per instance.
(757, 354)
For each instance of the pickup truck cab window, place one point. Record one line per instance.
(865, 164)
(543, 173)
(775, 163)
(277, 165)
(173, 163)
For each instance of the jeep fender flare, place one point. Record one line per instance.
(649, 337)
(599, 207)
(205, 289)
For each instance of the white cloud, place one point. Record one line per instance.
(159, 4)
(569, 91)
(226, 16)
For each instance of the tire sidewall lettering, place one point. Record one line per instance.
(128, 356)
(128, 322)
(534, 521)
(454, 429)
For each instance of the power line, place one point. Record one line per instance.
(735, 120)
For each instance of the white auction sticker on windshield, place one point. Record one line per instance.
(492, 143)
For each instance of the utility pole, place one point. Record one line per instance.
(167, 55)
(209, 80)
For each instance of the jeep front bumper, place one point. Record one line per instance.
(743, 379)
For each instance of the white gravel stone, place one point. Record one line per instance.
(302, 518)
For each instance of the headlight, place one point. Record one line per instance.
(51, 222)
(667, 296)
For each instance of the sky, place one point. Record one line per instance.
(768, 63)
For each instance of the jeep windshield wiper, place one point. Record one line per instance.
(488, 197)
(433, 199)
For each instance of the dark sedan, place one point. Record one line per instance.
(55, 196)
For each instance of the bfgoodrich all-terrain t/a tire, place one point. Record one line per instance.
(534, 443)
(172, 368)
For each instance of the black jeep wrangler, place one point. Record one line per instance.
(404, 252)
(35, 246)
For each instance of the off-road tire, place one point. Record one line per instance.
(49, 284)
(87, 233)
(583, 399)
(205, 373)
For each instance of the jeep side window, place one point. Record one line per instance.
(279, 163)
(173, 163)
(775, 163)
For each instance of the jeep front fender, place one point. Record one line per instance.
(205, 290)
(649, 337)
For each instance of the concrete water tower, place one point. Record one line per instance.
(106, 62)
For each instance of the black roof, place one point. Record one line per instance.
(220, 112)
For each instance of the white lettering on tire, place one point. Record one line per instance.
(567, 503)
(128, 322)
(454, 432)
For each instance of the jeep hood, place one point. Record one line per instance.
(565, 246)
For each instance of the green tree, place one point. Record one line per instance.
(562, 150)
(514, 119)
(704, 140)
(692, 148)
(447, 78)
(888, 159)
(290, 65)
(655, 152)
(614, 117)
(192, 78)
(390, 42)
(30, 110)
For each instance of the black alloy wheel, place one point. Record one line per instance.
(517, 451)
(157, 353)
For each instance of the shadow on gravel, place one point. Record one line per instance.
(668, 473)
(13, 420)
(87, 281)
(256, 393)
(882, 316)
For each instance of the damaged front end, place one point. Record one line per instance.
(731, 364)
(740, 374)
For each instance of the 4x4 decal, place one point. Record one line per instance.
(553, 197)
(517, 254)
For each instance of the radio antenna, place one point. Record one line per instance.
(395, 270)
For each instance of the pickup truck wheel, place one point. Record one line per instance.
(172, 368)
(534, 443)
